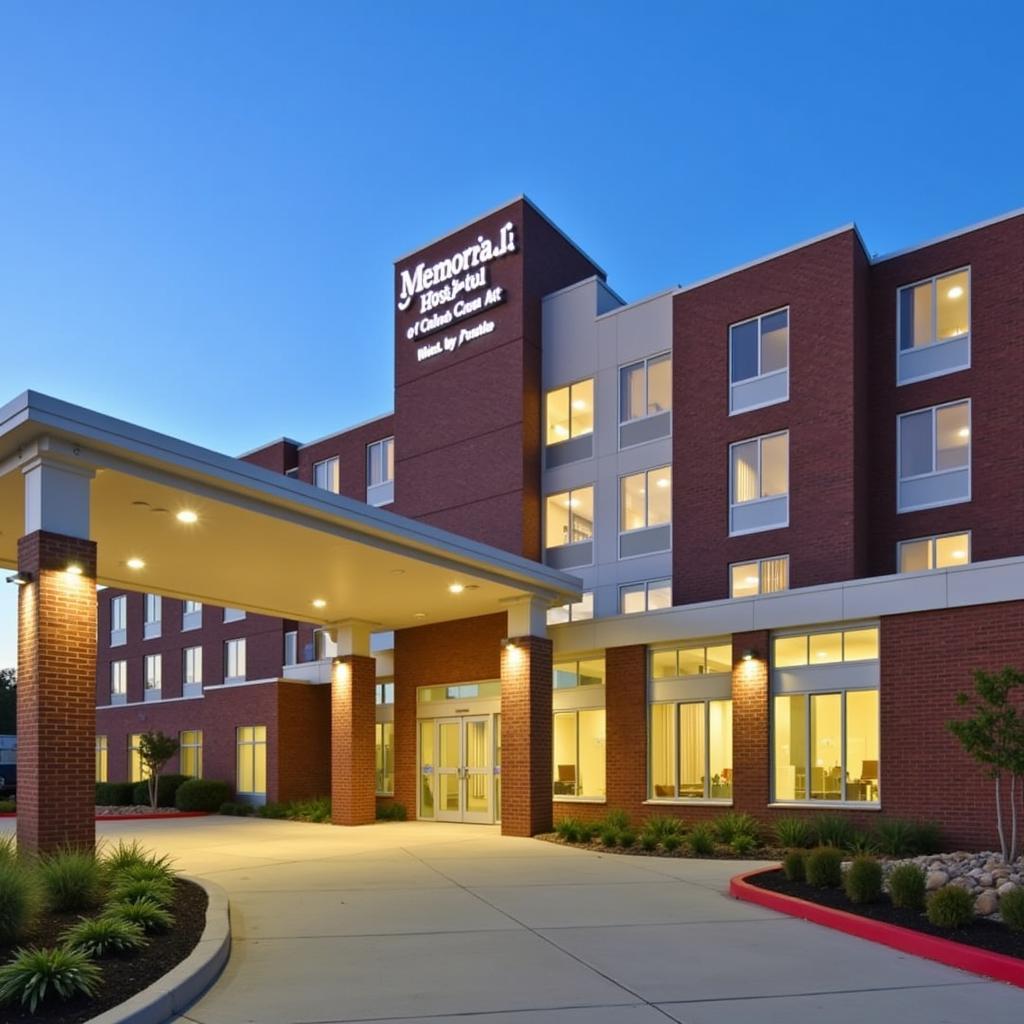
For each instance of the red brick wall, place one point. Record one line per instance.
(625, 727)
(353, 713)
(349, 446)
(279, 456)
(304, 736)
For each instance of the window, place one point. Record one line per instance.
(233, 615)
(645, 388)
(934, 326)
(570, 674)
(646, 499)
(570, 412)
(385, 694)
(191, 607)
(190, 752)
(691, 750)
(765, 576)
(759, 361)
(153, 615)
(191, 615)
(291, 647)
(252, 760)
(934, 552)
(118, 620)
(101, 758)
(192, 666)
(578, 747)
(858, 644)
(380, 472)
(135, 773)
(826, 746)
(325, 475)
(645, 597)
(385, 754)
(570, 517)
(692, 660)
(934, 451)
(234, 659)
(759, 483)
(578, 611)
(154, 672)
(118, 679)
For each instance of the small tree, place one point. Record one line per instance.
(994, 736)
(8, 701)
(155, 750)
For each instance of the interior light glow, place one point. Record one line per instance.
(319, 603)
(959, 555)
(963, 432)
(663, 482)
(455, 588)
(135, 563)
(578, 404)
(560, 430)
(186, 515)
(955, 292)
(752, 581)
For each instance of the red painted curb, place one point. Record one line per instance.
(134, 817)
(953, 954)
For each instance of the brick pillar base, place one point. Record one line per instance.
(353, 714)
(56, 693)
(626, 727)
(526, 737)
(750, 718)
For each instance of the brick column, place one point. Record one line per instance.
(750, 723)
(626, 727)
(353, 714)
(56, 692)
(526, 736)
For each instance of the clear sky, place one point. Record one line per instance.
(200, 203)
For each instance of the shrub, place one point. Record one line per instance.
(8, 807)
(862, 882)
(648, 842)
(702, 840)
(392, 812)
(132, 860)
(587, 830)
(927, 837)
(202, 795)
(896, 837)
(823, 867)
(72, 879)
(609, 836)
(671, 843)
(155, 870)
(8, 848)
(274, 810)
(907, 887)
(167, 787)
(733, 823)
(146, 913)
(794, 833)
(833, 830)
(236, 810)
(742, 844)
(103, 936)
(950, 907)
(862, 843)
(568, 829)
(793, 865)
(318, 809)
(616, 819)
(1011, 908)
(627, 838)
(661, 825)
(114, 794)
(159, 890)
(20, 899)
(35, 974)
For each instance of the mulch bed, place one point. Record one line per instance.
(123, 977)
(982, 934)
(636, 850)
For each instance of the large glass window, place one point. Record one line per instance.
(939, 552)
(190, 752)
(858, 644)
(570, 411)
(326, 474)
(691, 750)
(645, 388)
(154, 671)
(577, 611)
(252, 760)
(579, 753)
(135, 771)
(760, 468)
(385, 757)
(935, 310)
(570, 517)
(118, 678)
(570, 674)
(649, 596)
(234, 659)
(645, 499)
(934, 443)
(192, 665)
(101, 758)
(759, 361)
(765, 576)
(692, 660)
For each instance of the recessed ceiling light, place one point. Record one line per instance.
(579, 405)
(397, 572)
(186, 515)
(75, 570)
(455, 588)
(141, 504)
(419, 615)
(959, 554)
(319, 603)
(955, 292)
(573, 502)
(135, 563)
(663, 482)
(752, 581)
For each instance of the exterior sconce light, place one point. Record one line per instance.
(749, 654)
(509, 645)
(20, 579)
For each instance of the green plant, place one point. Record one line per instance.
(950, 907)
(671, 843)
(20, 898)
(202, 795)
(102, 936)
(702, 840)
(734, 823)
(1011, 909)
(608, 836)
(146, 913)
(833, 830)
(72, 879)
(907, 887)
(896, 837)
(318, 809)
(568, 829)
(35, 974)
(647, 842)
(793, 865)
(114, 794)
(274, 810)
(823, 867)
(155, 750)
(236, 810)
(661, 825)
(587, 830)
(392, 812)
(627, 838)
(132, 860)
(166, 790)
(159, 890)
(8, 848)
(862, 882)
(862, 842)
(8, 807)
(148, 871)
(742, 844)
(794, 833)
(927, 837)
(615, 819)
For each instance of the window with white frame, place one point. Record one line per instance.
(118, 620)
(118, 678)
(384, 739)
(291, 647)
(234, 659)
(577, 611)
(569, 517)
(101, 758)
(568, 675)
(191, 615)
(759, 361)
(570, 412)
(825, 647)
(645, 499)
(934, 326)
(939, 552)
(578, 736)
(326, 475)
(645, 388)
(136, 772)
(191, 607)
(649, 596)
(154, 664)
(934, 456)
(190, 752)
(380, 472)
(233, 614)
(251, 776)
(152, 616)
(192, 666)
(762, 576)
(759, 483)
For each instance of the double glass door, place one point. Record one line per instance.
(457, 767)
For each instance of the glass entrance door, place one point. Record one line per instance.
(459, 784)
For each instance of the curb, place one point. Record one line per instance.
(953, 954)
(134, 817)
(182, 985)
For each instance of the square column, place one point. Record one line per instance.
(751, 713)
(526, 722)
(353, 715)
(56, 692)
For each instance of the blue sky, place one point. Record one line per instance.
(200, 203)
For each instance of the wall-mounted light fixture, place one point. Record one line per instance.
(20, 579)
(74, 569)
(749, 654)
(508, 645)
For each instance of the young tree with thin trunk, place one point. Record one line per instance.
(155, 750)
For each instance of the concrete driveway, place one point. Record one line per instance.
(409, 922)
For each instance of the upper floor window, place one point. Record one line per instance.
(823, 648)
(233, 614)
(934, 326)
(938, 552)
(570, 411)
(570, 674)
(645, 504)
(380, 472)
(759, 361)
(570, 517)
(118, 620)
(192, 615)
(153, 615)
(385, 693)
(578, 611)
(765, 576)
(645, 394)
(234, 659)
(154, 673)
(934, 454)
(326, 475)
(291, 647)
(645, 597)
(192, 665)
(118, 681)
(759, 483)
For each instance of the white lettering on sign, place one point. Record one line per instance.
(451, 342)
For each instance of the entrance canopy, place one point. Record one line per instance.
(172, 518)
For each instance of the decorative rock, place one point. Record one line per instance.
(986, 904)
(985, 880)
(936, 880)
(1005, 888)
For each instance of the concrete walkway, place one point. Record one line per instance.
(452, 923)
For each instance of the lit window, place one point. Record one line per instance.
(385, 757)
(570, 674)
(101, 758)
(691, 660)
(234, 659)
(252, 760)
(578, 611)
(759, 483)
(765, 576)
(939, 552)
(935, 311)
(570, 517)
(190, 753)
(691, 750)
(570, 412)
(825, 647)
(645, 388)
(118, 678)
(759, 361)
(645, 597)
(578, 747)
(645, 499)
(326, 475)
(154, 671)
(135, 771)
(934, 448)
(192, 665)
